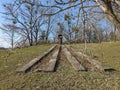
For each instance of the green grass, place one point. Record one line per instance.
(65, 78)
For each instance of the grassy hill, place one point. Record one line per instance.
(65, 77)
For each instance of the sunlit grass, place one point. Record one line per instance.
(65, 77)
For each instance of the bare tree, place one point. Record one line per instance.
(26, 14)
(11, 34)
(108, 7)
(111, 13)
(31, 15)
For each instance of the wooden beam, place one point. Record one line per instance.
(33, 62)
(76, 65)
(50, 66)
(96, 64)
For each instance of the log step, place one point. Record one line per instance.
(33, 62)
(76, 65)
(50, 66)
(96, 64)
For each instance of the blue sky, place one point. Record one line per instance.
(3, 42)
(3, 37)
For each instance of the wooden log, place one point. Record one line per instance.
(51, 64)
(96, 64)
(33, 62)
(76, 65)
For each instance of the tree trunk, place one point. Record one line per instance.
(48, 29)
(31, 41)
(115, 37)
(116, 1)
(12, 39)
(109, 12)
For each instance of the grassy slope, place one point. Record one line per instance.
(65, 78)
(107, 53)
